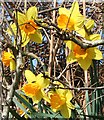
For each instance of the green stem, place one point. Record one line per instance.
(88, 108)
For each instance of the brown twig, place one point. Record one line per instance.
(81, 88)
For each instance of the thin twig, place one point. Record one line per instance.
(81, 88)
(34, 56)
(63, 71)
(51, 45)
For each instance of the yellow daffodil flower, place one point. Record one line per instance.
(84, 31)
(29, 29)
(83, 56)
(70, 19)
(8, 60)
(35, 86)
(27, 24)
(60, 101)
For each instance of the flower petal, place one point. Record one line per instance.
(70, 19)
(70, 105)
(91, 53)
(62, 21)
(30, 76)
(58, 83)
(7, 57)
(25, 38)
(71, 58)
(85, 63)
(81, 31)
(32, 13)
(45, 97)
(70, 44)
(61, 91)
(69, 95)
(43, 82)
(89, 24)
(74, 10)
(31, 89)
(95, 37)
(64, 11)
(98, 54)
(57, 101)
(14, 29)
(12, 65)
(94, 53)
(21, 18)
(36, 37)
(65, 111)
(37, 98)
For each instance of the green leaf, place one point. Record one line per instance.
(45, 115)
(33, 113)
(20, 92)
(79, 110)
(31, 13)
(98, 117)
(13, 112)
(87, 101)
(20, 106)
(25, 102)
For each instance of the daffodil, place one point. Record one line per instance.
(84, 57)
(35, 86)
(70, 19)
(85, 30)
(60, 101)
(29, 29)
(9, 60)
